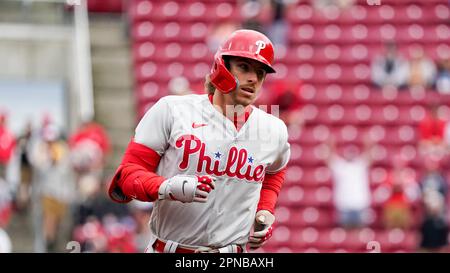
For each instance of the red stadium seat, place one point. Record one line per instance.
(291, 56)
(141, 10)
(321, 176)
(166, 11)
(423, 34)
(300, 13)
(397, 239)
(283, 214)
(295, 196)
(379, 14)
(307, 137)
(354, 241)
(310, 156)
(318, 217)
(304, 238)
(143, 51)
(149, 71)
(294, 175)
(194, 52)
(193, 11)
(143, 31)
(281, 236)
(197, 71)
(222, 12)
(316, 197)
(151, 91)
(356, 33)
(195, 32)
(357, 53)
(441, 11)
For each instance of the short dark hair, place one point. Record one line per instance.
(209, 87)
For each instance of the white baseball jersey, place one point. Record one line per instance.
(193, 137)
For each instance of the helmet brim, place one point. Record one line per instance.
(267, 66)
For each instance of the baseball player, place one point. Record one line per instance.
(212, 164)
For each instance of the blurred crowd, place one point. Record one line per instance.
(408, 200)
(58, 182)
(392, 69)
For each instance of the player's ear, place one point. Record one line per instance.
(221, 77)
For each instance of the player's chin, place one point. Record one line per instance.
(245, 99)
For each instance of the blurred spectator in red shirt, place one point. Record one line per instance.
(92, 131)
(431, 128)
(92, 236)
(5, 204)
(284, 95)
(431, 134)
(89, 146)
(109, 235)
(397, 195)
(7, 144)
(120, 234)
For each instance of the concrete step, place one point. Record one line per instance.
(101, 92)
(120, 101)
(20, 231)
(108, 32)
(115, 115)
(111, 57)
(32, 12)
(122, 137)
(112, 77)
(114, 158)
(113, 84)
(123, 134)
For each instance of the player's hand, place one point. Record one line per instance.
(263, 229)
(187, 188)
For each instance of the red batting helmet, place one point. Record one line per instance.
(241, 43)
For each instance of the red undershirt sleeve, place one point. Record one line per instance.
(270, 189)
(135, 177)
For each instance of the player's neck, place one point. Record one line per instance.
(223, 102)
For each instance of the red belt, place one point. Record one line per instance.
(160, 245)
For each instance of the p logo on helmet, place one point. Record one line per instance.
(260, 45)
(241, 43)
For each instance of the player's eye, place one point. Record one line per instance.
(261, 73)
(243, 67)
